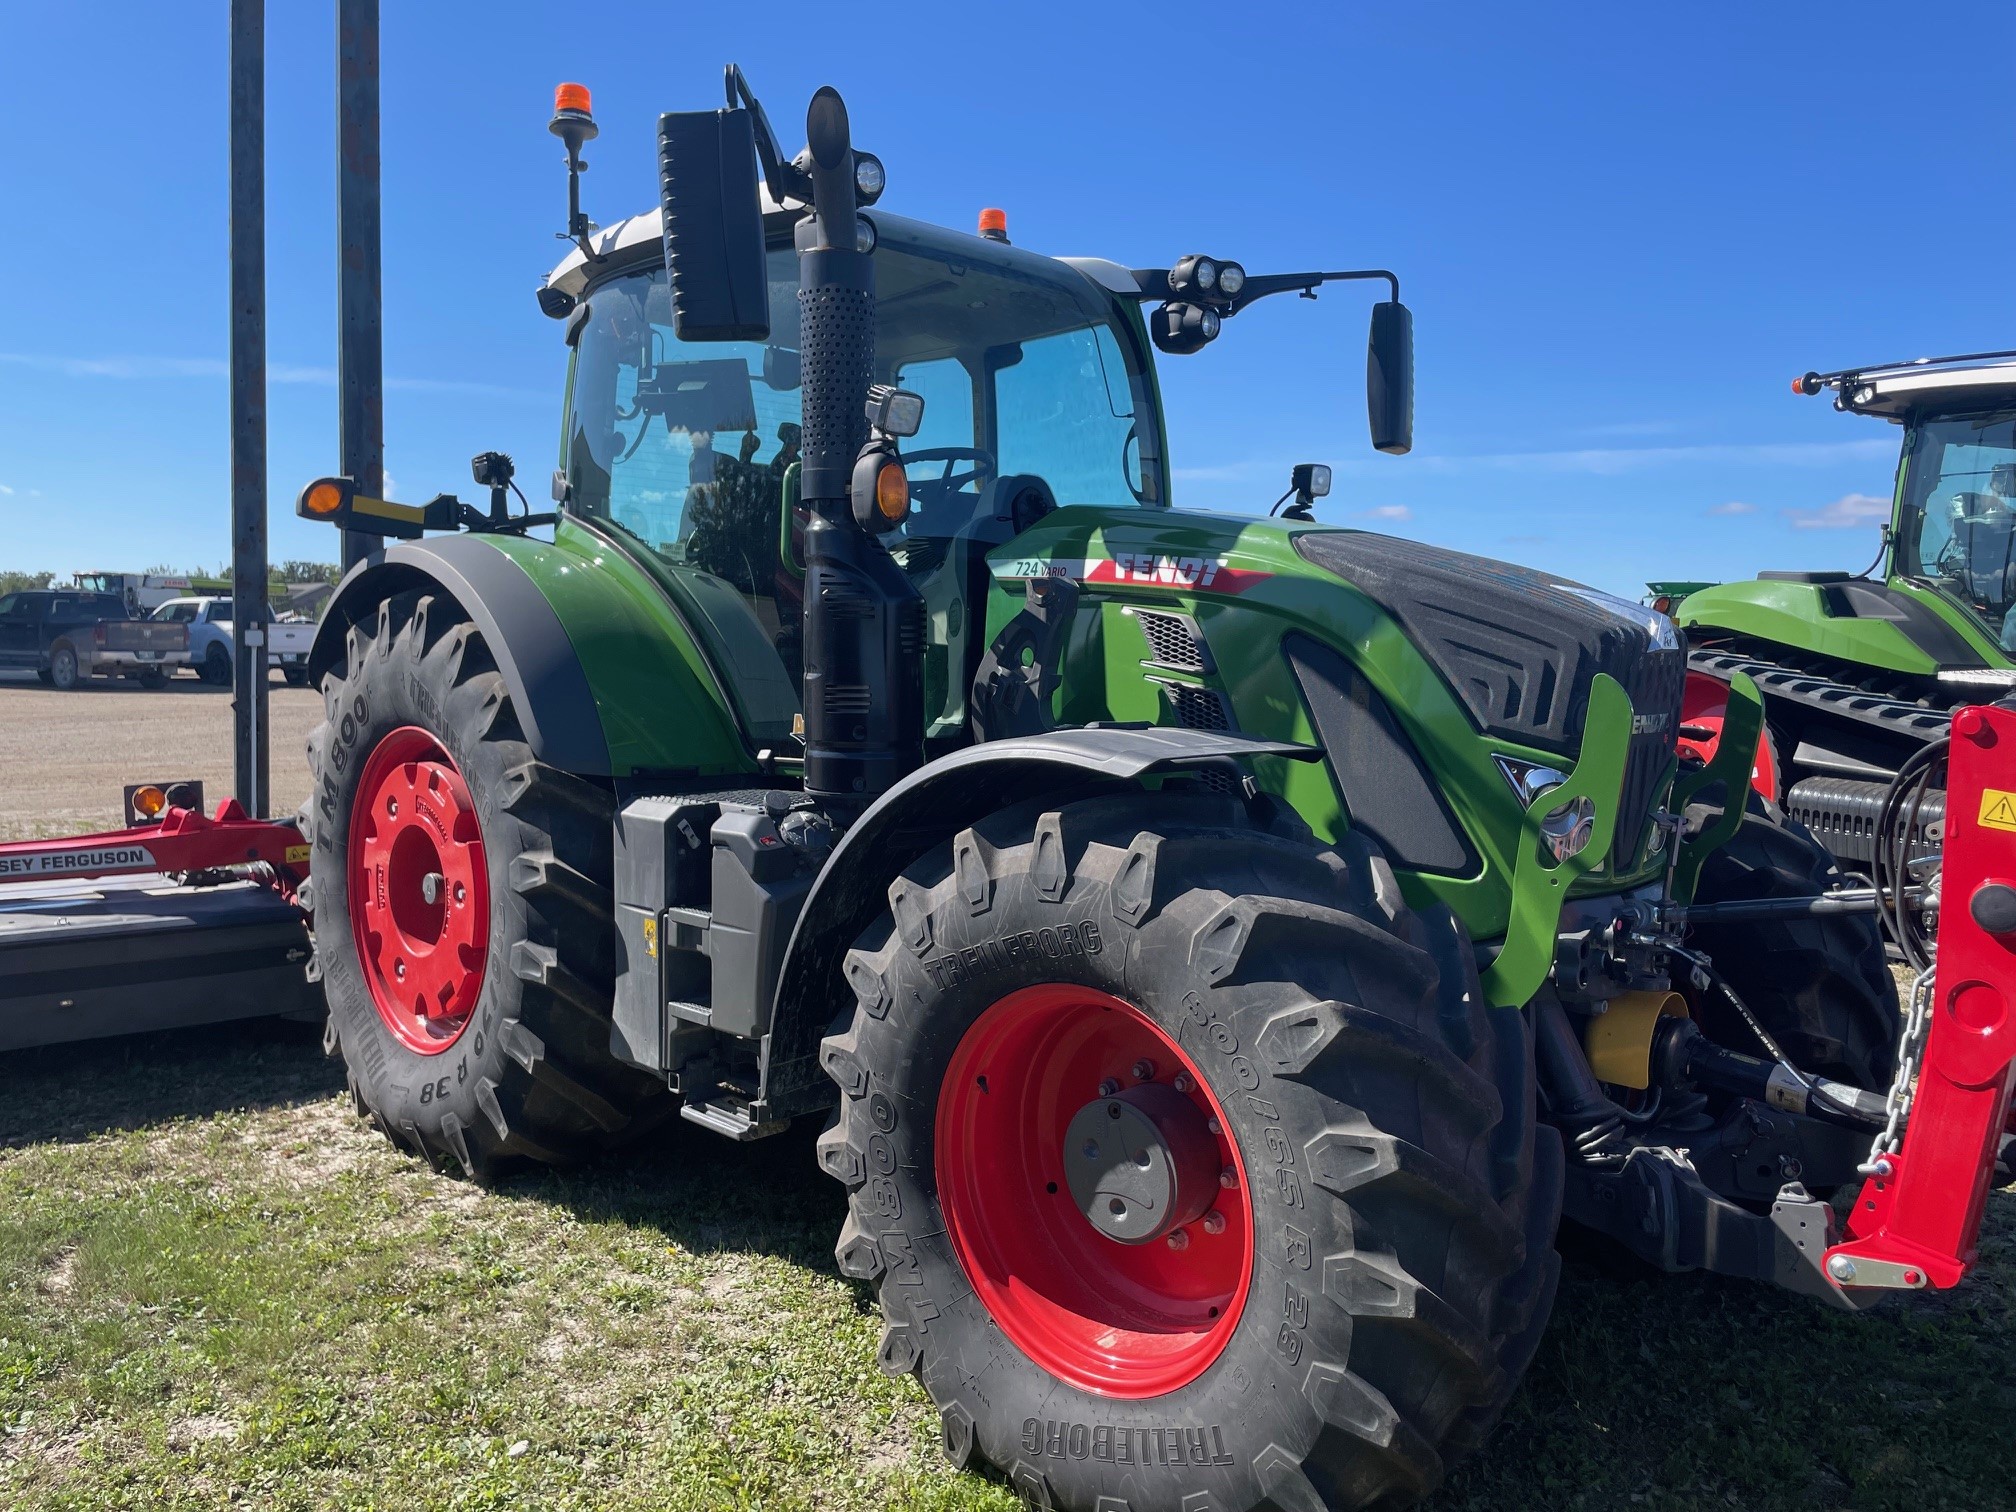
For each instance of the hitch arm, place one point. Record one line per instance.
(1917, 1219)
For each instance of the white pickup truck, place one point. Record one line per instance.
(209, 622)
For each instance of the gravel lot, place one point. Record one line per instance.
(65, 756)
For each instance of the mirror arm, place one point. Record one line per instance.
(1304, 284)
(1152, 285)
(785, 180)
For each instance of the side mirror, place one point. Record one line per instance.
(713, 225)
(1389, 377)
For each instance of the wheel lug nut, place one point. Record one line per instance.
(399, 970)
(1214, 1222)
(1210, 1126)
(1228, 1178)
(1179, 1239)
(392, 807)
(1108, 1087)
(1144, 1070)
(461, 892)
(1182, 1083)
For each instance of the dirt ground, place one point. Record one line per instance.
(65, 756)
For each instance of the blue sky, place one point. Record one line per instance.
(1622, 230)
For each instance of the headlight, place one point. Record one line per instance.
(1231, 278)
(1565, 831)
(1206, 273)
(869, 177)
(1210, 324)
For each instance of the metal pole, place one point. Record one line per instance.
(359, 284)
(248, 404)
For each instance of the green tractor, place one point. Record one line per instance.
(1861, 672)
(1222, 947)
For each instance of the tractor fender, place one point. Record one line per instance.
(926, 808)
(550, 692)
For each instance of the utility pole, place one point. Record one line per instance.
(249, 611)
(360, 339)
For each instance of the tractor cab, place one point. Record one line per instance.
(1037, 386)
(1955, 528)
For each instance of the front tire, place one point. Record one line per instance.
(1822, 986)
(463, 922)
(1385, 1265)
(216, 668)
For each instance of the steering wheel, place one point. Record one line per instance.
(947, 480)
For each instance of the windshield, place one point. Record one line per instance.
(686, 447)
(1959, 527)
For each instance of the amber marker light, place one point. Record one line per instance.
(324, 497)
(148, 802)
(892, 492)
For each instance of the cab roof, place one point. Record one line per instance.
(1898, 390)
(641, 238)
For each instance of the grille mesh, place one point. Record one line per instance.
(1172, 641)
(1198, 708)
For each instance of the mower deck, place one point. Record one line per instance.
(125, 955)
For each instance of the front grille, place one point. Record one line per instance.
(1174, 641)
(1655, 686)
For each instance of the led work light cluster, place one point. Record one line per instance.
(1202, 292)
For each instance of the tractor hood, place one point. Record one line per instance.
(1896, 627)
(1521, 648)
(1522, 651)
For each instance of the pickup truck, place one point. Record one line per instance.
(66, 636)
(208, 621)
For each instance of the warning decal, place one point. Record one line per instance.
(1998, 809)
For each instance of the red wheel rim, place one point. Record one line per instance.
(1124, 1320)
(419, 890)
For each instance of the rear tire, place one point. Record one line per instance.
(1399, 1200)
(154, 678)
(521, 1069)
(1821, 987)
(297, 677)
(64, 672)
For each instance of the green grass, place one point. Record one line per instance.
(217, 1288)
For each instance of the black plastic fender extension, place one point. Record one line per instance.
(926, 807)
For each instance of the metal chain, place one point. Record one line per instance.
(1897, 1105)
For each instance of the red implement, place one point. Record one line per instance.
(182, 842)
(1918, 1217)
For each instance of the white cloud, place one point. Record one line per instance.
(1389, 512)
(5, 490)
(1845, 513)
(1733, 507)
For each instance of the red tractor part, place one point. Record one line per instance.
(1918, 1217)
(158, 926)
(1704, 704)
